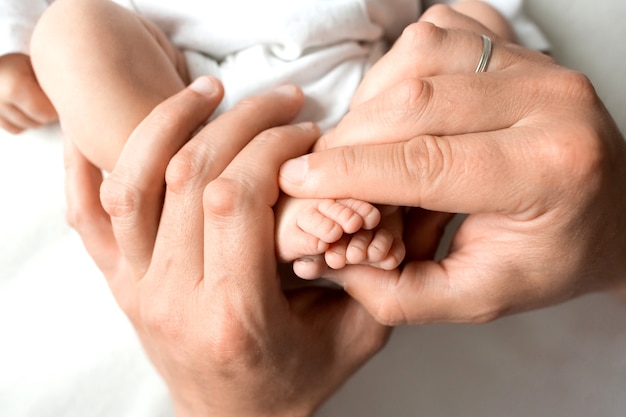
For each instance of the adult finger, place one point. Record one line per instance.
(422, 292)
(447, 104)
(132, 194)
(419, 90)
(424, 107)
(238, 212)
(480, 172)
(468, 16)
(486, 275)
(204, 158)
(424, 50)
(84, 211)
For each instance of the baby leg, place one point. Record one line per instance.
(104, 69)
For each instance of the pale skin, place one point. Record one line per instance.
(347, 231)
(23, 105)
(222, 351)
(264, 352)
(93, 83)
(531, 155)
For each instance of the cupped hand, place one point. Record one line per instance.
(526, 149)
(23, 104)
(193, 264)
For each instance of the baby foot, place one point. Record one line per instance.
(308, 227)
(381, 248)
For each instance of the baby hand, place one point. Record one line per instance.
(23, 104)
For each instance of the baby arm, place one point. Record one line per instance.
(23, 104)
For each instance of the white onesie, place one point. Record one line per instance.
(324, 46)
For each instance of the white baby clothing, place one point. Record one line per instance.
(324, 46)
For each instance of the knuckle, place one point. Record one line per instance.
(248, 104)
(196, 163)
(578, 158)
(407, 103)
(183, 169)
(346, 161)
(422, 34)
(412, 95)
(425, 160)
(570, 155)
(581, 152)
(118, 199)
(576, 87)
(223, 198)
(271, 137)
(571, 88)
(165, 117)
(438, 14)
(574, 152)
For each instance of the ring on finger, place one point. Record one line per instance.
(486, 55)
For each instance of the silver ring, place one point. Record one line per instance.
(484, 58)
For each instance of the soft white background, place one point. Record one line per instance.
(65, 350)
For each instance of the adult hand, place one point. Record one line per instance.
(526, 149)
(194, 269)
(23, 104)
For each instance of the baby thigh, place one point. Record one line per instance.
(104, 68)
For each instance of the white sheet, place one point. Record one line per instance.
(65, 348)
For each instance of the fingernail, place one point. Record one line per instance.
(305, 260)
(294, 170)
(204, 86)
(307, 126)
(287, 90)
